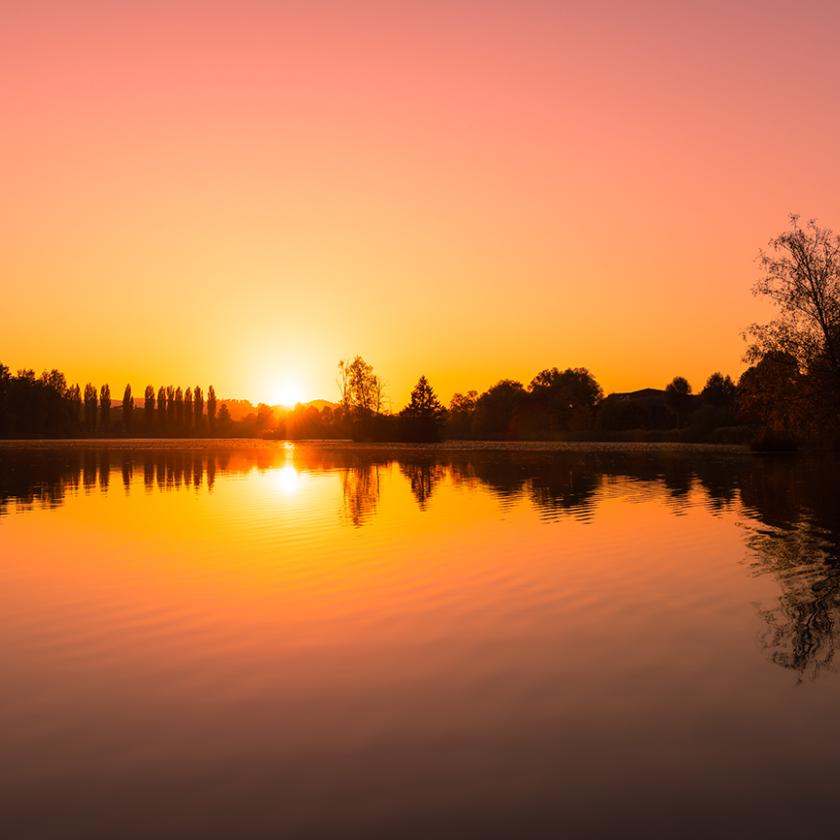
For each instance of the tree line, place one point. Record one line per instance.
(47, 406)
(790, 394)
(555, 405)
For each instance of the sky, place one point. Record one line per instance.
(243, 193)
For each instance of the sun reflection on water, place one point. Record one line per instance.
(287, 479)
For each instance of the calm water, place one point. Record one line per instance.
(302, 641)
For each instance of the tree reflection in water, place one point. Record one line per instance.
(790, 506)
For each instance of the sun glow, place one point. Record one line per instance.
(285, 393)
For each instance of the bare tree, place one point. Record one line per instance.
(801, 275)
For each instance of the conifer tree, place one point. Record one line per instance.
(198, 407)
(424, 401)
(127, 409)
(90, 408)
(105, 407)
(149, 406)
(188, 409)
(161, 408)
(179, 408)
(211, 408)
(170, 407)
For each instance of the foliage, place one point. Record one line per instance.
(678, 397)
(149, 407)
(90, 407)
(424, 402)
(567, 398)
(362, 391)
(127, 409)
(719, 390)
(496, 409)
(772, 397)
(461, 414)
(105, 408)
(198, 407)
(801, 276)
(211, 408)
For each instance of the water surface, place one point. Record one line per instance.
(272, 640)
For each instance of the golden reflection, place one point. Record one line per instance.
(287, 479)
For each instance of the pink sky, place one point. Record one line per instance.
(243, 193)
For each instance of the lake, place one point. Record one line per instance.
(257, 639)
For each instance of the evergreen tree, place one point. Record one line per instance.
(198, 407)
(424, 401)
(188, 409)
(161, 408)
(211, 408)
(149, 407)
(75, 401)
(170, 407)
(90, 408)
(127, 409)
(105, 407)
(179, 408)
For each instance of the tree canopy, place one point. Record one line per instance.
(424, 401)
(801, 276)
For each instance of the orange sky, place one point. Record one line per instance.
(243, 193)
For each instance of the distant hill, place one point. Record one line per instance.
(321, 404)
(641, 394)
(239, 409)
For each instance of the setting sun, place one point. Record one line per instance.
(285, 393)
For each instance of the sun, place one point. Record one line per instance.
(285, 393)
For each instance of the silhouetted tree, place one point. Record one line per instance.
(461, 414)
(198, 407)
(75, 405)
(496, 409)
(188, 409)
(224, 421)
(422, 419)
(90, 408)
(719, 390)
(5, 388)
(127, 409)
(569, 398)
(678, 397)
(361, 389)
(772, 396)
(211, 408)
(179, 408)
(49, 400)
(424, 402)
(802, 277)
(161, 408)
(170, 407)
(105, 407)
(149, 407)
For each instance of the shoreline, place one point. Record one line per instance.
(478, 446)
